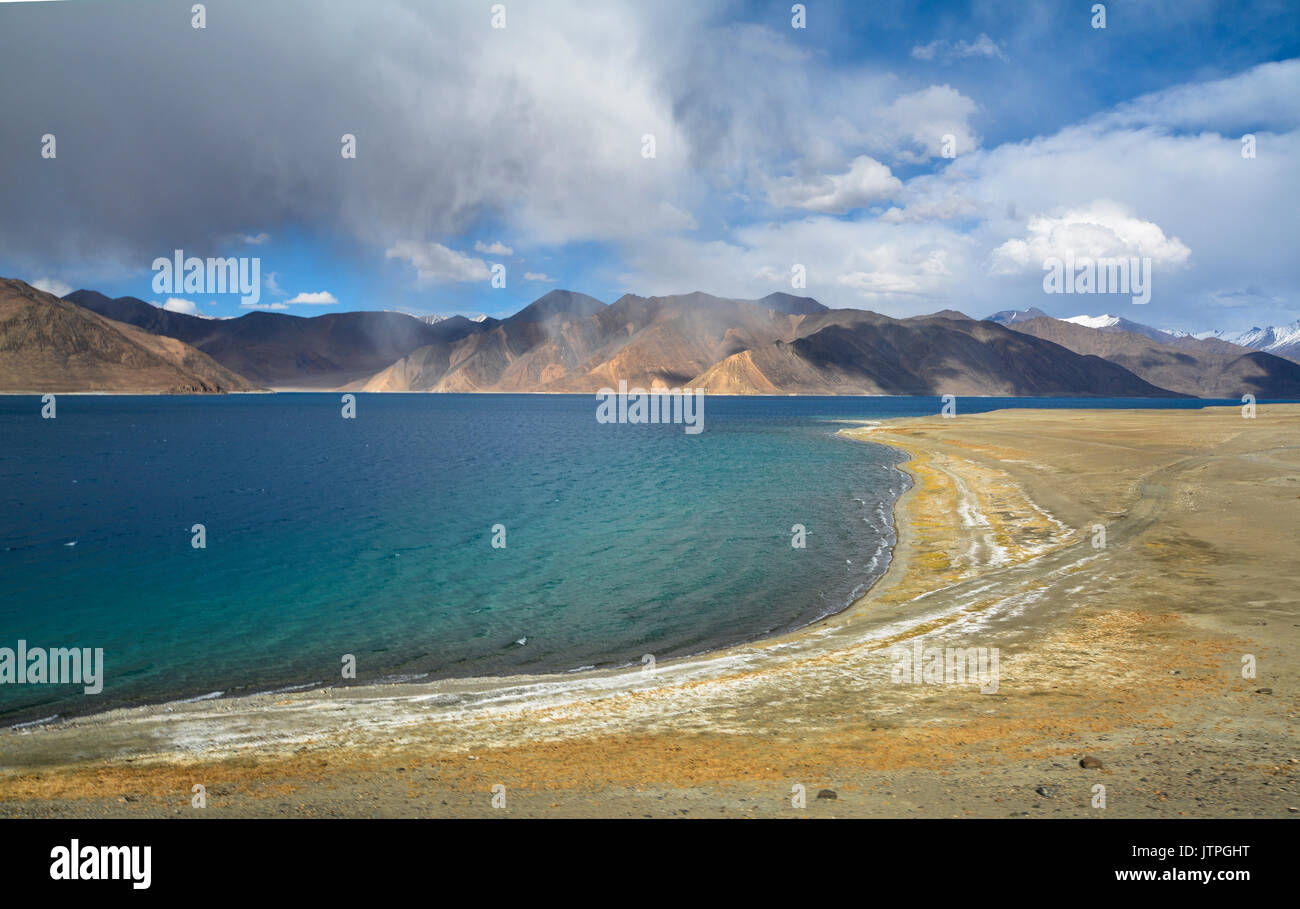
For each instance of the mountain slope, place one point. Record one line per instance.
(647, 341)
(854, 352)
(1194, 371)
(1279, 340)
(52, 345)
(1007, 316)
(1107, 322)
(277, 349)
(790, 304)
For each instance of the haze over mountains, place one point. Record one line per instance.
(570, 342)
(285, 351)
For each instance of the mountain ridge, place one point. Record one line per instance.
(1210, 369)
(569, 342)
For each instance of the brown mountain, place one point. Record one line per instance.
(1207, 369)
(780, 344)
(570, 342)
(581, 344)
(854, 352)
(281, 350)
(52, 345)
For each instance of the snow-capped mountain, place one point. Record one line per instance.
(1101, 323)
(1107, 322)
(435, 319)
(1279, 340)
(1007, 316)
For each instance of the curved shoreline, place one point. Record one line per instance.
(990, 548)
(33, 718)
(603, 682)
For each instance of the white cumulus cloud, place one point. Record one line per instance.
(867, 181)
(435, 262)
(1102, 229)
(323, 298)
(188, 307)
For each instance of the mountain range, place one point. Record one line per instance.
(1201, 367)
(571, 342)
(1279, 340)
(283, 351)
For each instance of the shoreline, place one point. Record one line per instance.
(238, 692)
(898, 507)
(975, 553)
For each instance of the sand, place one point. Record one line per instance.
(1130, 654)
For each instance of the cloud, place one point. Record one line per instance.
(972, 234)
(436, 263)
(537, 276)
(52, 286)
(255, 239)
(867, 181)
(919, 121)
(749, 112)
(945, 51)
(916, 271)
(188, 307)
(1262, 98)
(540, 123)
(493, 249)
(763, 139)
(323, 298)
(906, 268)
(1244, 297)
(1186, 196)
(271, 284)
(948, 206)
(1102, 229)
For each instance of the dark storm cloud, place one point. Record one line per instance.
(170, 136)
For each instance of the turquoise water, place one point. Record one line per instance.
(373, 536)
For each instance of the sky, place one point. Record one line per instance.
(777, 151)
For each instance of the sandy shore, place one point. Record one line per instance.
(1131, 654)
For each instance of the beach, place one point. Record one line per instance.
(1128, 651)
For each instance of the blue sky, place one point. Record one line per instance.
(774, 147)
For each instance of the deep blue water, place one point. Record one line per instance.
(373, 536)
